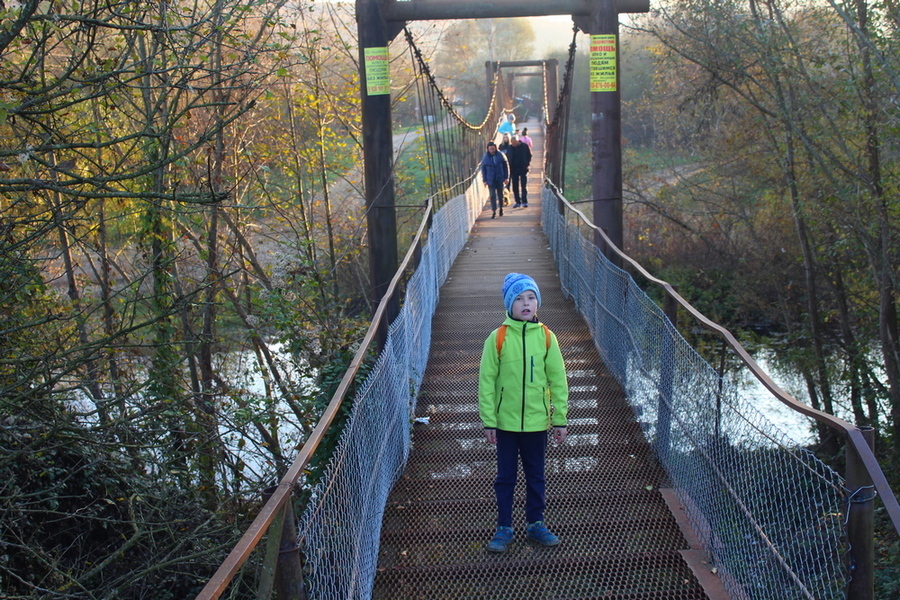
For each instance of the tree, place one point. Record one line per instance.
(122, 160)
(467, 45)
(791, 98)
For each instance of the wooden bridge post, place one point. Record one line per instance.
(282, 568)
(378, 152)
(289, 583)
(861, 522)
(606, 125)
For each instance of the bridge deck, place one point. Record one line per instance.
(619, 539)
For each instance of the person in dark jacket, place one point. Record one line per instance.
(495, 175)
(522, 392)
(519, 157)
(504, 144)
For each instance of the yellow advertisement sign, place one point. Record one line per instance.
(603, 63)
(378, 75)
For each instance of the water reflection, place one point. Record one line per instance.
(796, 425)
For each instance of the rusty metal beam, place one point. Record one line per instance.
(505, 64)
(436, 10)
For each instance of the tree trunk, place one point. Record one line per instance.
(92, 374)
(881, 264)
(852, 351)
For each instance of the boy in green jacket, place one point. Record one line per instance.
(522, 391)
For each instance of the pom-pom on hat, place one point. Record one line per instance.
(516, 283)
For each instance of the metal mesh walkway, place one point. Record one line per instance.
(619, 540)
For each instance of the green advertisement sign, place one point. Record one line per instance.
(603, 63)
(378, 75)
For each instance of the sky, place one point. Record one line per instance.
(552, 33)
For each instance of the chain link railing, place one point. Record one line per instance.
(771, 515)
(339, 532)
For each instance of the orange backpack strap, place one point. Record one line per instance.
(501, 336)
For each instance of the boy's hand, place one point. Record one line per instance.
(491, 435)
(559, 434)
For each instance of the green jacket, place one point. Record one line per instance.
(520, 389)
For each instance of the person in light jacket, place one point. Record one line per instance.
(507, 124)
(522, 392)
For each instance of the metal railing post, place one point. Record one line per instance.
(289, 583)
(861, 522)
(721, 384)
(282, 568)
(666, 378)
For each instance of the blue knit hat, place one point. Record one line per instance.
(516, 283)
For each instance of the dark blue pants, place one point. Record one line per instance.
(530, 447)
(496, 195)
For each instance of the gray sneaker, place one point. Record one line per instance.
(501, 540)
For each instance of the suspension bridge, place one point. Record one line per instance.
(672, 484)
(604, 484)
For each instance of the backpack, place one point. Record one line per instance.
(501, 337)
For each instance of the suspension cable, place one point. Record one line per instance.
(427, 72)
(452, 144)
(566, 90)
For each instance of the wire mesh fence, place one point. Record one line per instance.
(339, 530)
(769, 513)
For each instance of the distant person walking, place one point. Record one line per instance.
(504, 148)
(495, 175)
(525, 139)
(519, 157)
(507, 124)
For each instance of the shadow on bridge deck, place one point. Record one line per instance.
(619, 539)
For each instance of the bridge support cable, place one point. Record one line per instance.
(556, 110)
(453, 145)
(495, 82)
(777, 521)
